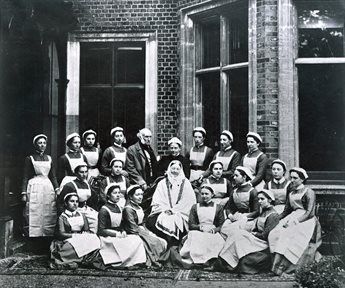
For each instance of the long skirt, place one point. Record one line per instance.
(172, 225)
(229, 227)
(240, 244)
(40, 210)
(254, 263)
(295, 244)
(155, 246)
(122, 252)
(201, 247)
(69, 253)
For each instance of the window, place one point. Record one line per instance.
(112, 78)
(222, 72)
(321, 89)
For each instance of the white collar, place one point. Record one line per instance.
(70, 213)
(279, 181)
(117, 145)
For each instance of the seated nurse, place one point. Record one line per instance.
(248, 251)
(74, 241)
(171, 204)
(279, 184)
(117, 248)
(298, 235)
(243, 202)
(203, 241)
(133, 216)
(220, 185)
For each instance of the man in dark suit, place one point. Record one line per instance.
(141, 160)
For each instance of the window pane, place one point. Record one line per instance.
(211, 107)
(322, 117)
(96, 113)
(238, 80)
(129, 112)
(321, 30)
(95, 64)
(130, 65)
(211, 44)
(321, 43)
(238, 30)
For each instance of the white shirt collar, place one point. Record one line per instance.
(279, 181)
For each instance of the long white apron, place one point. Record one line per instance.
(40, 209)
(242, 242)
(92, 160)
(292, 241)
(200, 246)
(251, 163)
(124, 252)
(196, 159)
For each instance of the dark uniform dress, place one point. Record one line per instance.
(222, 189)
(248, 251)
(113, 151)
(93, 157)
(243, 205)
(279, 189)
(82, 188)
(73, 242)
(39, 184)
(200, 247)
(200, 158)
(230, 159)
(122, 181)
(296, 245)
(117, 251)
(133, 216)
(256, 162)
(66, 165)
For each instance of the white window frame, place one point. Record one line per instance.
(151, 75)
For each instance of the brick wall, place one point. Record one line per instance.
(267, 75)
(143, 16)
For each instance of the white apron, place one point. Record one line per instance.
(220, 192)
(84, 243)
(292, 241)
(242, 243)
(251, 163)
(123, 252)
(120, 155)
(196, 159)
(200, 246)
(92, 160)
(90, 214)
(40, 210)
(224, 160)
(280, 196)
(123, 187)
(73, 162)
(242, 202)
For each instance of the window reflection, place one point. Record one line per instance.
(321, 31)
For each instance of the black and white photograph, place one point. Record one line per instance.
(172, 143)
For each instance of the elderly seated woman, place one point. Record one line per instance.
(171, 204)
